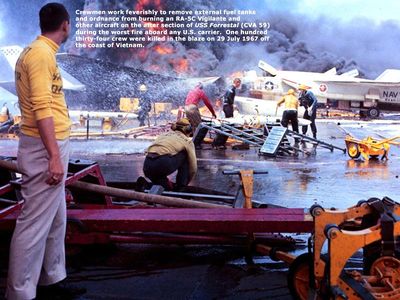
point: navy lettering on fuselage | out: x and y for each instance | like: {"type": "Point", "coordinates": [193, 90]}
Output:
{"type": "Point", "coordinates": [390, 96]}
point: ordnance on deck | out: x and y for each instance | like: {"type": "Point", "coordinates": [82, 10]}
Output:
{"type": "Point", "coordinates": [369, 147]}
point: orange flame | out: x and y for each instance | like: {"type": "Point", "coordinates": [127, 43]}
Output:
{"type": "Point", "coordinates": [142, 4]}
{"type": "Point", "coordinates": [180, 65]}
{"type": "Point", "coordinates": [154, 68]}
{"type": "Point", "coordinates": [237, 74]}
{"type": "Point", "coordinates": [150, 4]}
{"type": "Point", "coordinates": [163, 49]}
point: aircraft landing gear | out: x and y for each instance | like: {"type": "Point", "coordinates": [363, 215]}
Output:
{"type": "Point", "coordinates": [373, 112]}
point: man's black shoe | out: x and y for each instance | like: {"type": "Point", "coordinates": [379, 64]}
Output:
{"type": "Point", "coordinates": [142, 184]}
{"type": "Point", "coordinates": [59, 290]}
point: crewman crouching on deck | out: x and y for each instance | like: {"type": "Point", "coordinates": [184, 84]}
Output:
{"type": "Point", "coordinates": [172, 151]}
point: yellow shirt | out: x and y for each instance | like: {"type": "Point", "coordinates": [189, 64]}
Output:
{"type": "Point", "coordinates": [39, 88]}
{"type": "Point", "coordinates": [172, 143]}
{"type": "Point", "coordinates": [290, 101]}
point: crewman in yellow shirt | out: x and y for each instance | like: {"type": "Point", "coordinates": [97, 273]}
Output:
{"type": "Point", "coordinates": [37, 251]}
{"type": "Point", "coordinates": [290, 112]}
{"type": "Point", "coordinates": [172, 151]}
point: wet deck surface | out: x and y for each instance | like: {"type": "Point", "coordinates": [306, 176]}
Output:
{"type": "Point", "coordinates": [331, 179]}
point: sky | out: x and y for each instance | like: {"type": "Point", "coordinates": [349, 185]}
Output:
{"type": "Point", "coordinates": [349, 9]}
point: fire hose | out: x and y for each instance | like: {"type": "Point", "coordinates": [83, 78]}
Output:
{"type": "Point", "coordinates": [127, 194]}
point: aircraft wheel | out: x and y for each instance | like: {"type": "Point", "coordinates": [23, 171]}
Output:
{"type": "Point", "coordinates": [299, 274]}
{"type": "Point", "coordinates": [352, 150]}
{"type": "Point", "coordinates": [373, 112]}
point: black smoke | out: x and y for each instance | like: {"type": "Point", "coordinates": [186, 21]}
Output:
{"type": "Point", "coordinates": [297, 42]}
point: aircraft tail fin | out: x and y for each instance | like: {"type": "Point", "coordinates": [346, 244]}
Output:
{"type": "Point", "coordinates": [11, 53]}
{"type": "Point", "coordinates": [351, 73]}
{"type": "Point", "coordinates": [389, 75]}
{"type": "Point", "coordinates": [267, 68]}
{"type": "Point", "coordinates": [331, 71]}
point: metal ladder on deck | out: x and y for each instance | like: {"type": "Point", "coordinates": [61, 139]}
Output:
{"type": "Point", "coordinates": [273, 136]}
{"type": "Point", "coordinates": [251, 136]}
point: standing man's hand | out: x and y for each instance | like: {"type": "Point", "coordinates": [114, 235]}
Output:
{"type": "Point", "coordinates": [214, 116]}
{"type": "Point", "coordinates": [56, 171]}
{"type": "Point", "coordinates": [47, 134]}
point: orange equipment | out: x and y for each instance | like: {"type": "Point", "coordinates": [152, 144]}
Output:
{"type": "Point", "coordinates": [373, 226]}
{"type": "Point", "coordinates": [369, 147]}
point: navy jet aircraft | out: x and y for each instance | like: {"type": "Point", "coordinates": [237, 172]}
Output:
{"type": "Point", "coordinates": [351, 93]}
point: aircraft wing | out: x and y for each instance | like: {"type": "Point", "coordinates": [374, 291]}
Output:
{"type": "Point", "coordinates": [70, 82]}
{"type": "Point", "coordinates": [361, 83]}
{"type": "Point", "coordinates": [291, 83]}
{"type": "Point", "coordinates": [295, 84]}
{"type": "Point", "coordinates": [353, 83]}
{"type": "Point", "coordinates": [351, 73]}
{"type": "Point", "coordinates": [205, 80]}
{"type": "Point", "coordinates": [331, 71]}
{"type": "Point", "coordinates": [389, 77]}
{"type": "Point", "coordinates": [267, 68]}
{"type": "Point", "coordinates": [8, 58]}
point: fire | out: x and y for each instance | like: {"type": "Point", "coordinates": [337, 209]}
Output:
{"type": "Point", "coordinates": [163, 56]}
{"type": "Point", "coordinates": [164, 49]}
{"type": "Point", "coordinates": [148, 4]}
{"type": "Point", "coordinates": [180, 65]}
{"type": "Point", "coordinates": [237, 74]}
{"type": "Point", "coordinates": [154, 68]}
{"type": "Point", "coordinates": [142, 54]}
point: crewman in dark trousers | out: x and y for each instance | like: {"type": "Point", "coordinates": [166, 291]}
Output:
{"type": "Point", "coordinates": [172, 151]}
{"type": "Point", "coordinates": [309, 101]}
